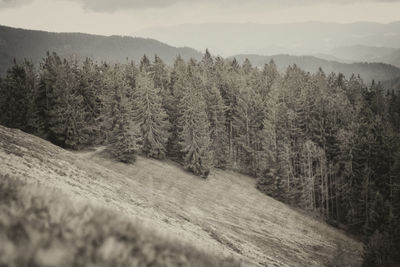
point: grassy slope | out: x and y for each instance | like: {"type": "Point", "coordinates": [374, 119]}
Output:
{"type": "Point", "coordinates": [42, 227]}
{"type": "Point", "coordinates": [222, 215]}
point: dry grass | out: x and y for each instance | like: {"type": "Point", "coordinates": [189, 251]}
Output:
{"type": "Point", "coordinates": [223, 215]}
{"type": "Point", "coordinates": [40, 226]}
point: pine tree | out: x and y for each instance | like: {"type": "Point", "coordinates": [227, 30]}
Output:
{"type": "Point", "coordinates": [151, 117]}
{"type": "Point", "coordinates": [80, 108]}
{"type": "Point", "coordinates": [207, 64]}
{"type": "Point", "coordinates": [114, 95]}
{"type": "Point", "coordinates": [124, 133]}
{"type": "Point", "coordinates": [125, 143]}
{"type": "Point", "coordinates": [229, 81]}
{"type": "Point", "coordinates": [145, 64]}
{"type": "Point", "coordinates": [87, 107]}
{"type": "Point", "coordinates": [131, 73]}
{"type": "Point", "coordinates": [218, 135]}
{"type": "Point", "coordinates": [16, 94]}
{"type": "Point", "coordinates": [159, 74]}
{"type": "Point", "coordinates": [270, 75]}
{"type": "Point", "coordinates": [269, 148]}
{"type": "Point", "coordinates": [247, 67]}
{"type": "Point", "coordinates": [51, 99]}
{"type": "Point", "coordinates": [57, 101]}
{"type": "Point", "coordinates": [195, 135]}
{"type": "Point", "coordinates": [242, 125]}
{"type": "Point", "coordinates": [171, 102]}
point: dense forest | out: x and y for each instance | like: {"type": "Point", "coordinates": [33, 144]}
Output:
{"type": "Point", "coordinates": [32, 44]}
{"type": "Point", "coordinates": [323, 142]}
{"type": "Point", "coordinates": [367, 70]}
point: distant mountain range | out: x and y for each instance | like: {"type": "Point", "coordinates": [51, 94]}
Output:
{"type": "Point", "coordinates": [367, 71]}
{"type": "Point", "coordinates": [305, 38]}
{"type": "Point", "coordinates": [361, 53]}
{"type": "Point", "coordinates": [30, 44]}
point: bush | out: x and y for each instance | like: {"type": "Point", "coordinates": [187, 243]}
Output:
{"type": "Point", "coordinates": [124, 148]}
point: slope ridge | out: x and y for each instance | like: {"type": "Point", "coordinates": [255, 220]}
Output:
{"type": "Point", "coordinates": [33, 45]}
{"type": "Point", "coordinates": [223, 215]}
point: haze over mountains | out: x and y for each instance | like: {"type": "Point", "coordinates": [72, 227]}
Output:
{"type": "Point", "coordinates": [361, 41]}
{"type": "Point", "coordinates": [31, 44]}
{"type": "Point", "coordinates": [368, 71]}
{"type": "Point", "coordinates": [363, 53]}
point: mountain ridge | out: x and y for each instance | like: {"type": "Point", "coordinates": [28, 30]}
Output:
{"type": "Point", "coordinates": [229, 39]}
{"type": "Point", "coordinates": [33, 45]}
{"type": "Point", "coordinates": [363, 53]}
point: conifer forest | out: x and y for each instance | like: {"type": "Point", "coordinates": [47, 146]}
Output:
{"type": "Point", "coordinates": [321, 142]}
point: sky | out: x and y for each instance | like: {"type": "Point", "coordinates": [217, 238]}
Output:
{"type": "Point", "coordinates": [125, 17]}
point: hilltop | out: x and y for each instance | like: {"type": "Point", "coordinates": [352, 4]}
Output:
{"type": "Point", "coordinates": [223, 215]}
{"type": "Point", "coordinates": [33, 45]}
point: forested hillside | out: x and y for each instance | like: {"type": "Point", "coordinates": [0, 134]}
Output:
{"type": "Point", "coordinates": [368, 71]}
{"type": "Point", "coordinates": [33, 45]}
{"type": "Point", "coordinates": [325, 142]}
{"type": "Point", "coordinates": [63, 208]}
{"type": "Point", "coordinates": [393, 58]}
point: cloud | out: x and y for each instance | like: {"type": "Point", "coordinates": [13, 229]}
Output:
{"type": "Point", "coordinates": [109, 6]}
{"type": "Point", "coordinates": [13, 3]}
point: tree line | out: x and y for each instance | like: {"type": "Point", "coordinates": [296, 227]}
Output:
{"type": "Point", "coordinates": [326, 143]}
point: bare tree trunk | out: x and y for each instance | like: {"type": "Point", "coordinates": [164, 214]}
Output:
{"type": "Point", "coordinates": [230, 142]}
{"type": "Point", "coordinates": [290, 167]}
{"type": "Point", "coordinates": [322, 189]}
{"type": "Point", "coordinates": [337, 197]}
{"type": "Point", "coordinates": [326, 192]}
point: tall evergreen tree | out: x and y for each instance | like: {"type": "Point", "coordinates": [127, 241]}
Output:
{"type": "Point", "coordinates": [216, 108]}
{"type": "Point", "coordinates": [131, 73]}
{"type": "Point", "coordinates": [145, 64]}
{"type": "Point", "coordinates": [124, 133]}
{"type": "Point", "coordinates": [59, 104]}
{"type": "Point", "coordinates": [151, 117]}
{"type": "Point", "coordinates": [16, 94]}
{"type": "Point", "coordinates": [171, 102]}
{"type": "Point", "coordinates": [125, 143]}
{"type": "Point", "coordinates": [195, 135]}
{"type": "Point", "coordinates": [159, 74]}
{"type": "Point", "coordinates": [87, 95]}
{"type": "Point", "coordinates": [207, 63]}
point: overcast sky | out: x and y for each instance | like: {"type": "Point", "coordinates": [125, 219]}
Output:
{"type": "Point", "coordinates": [124, 17]}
